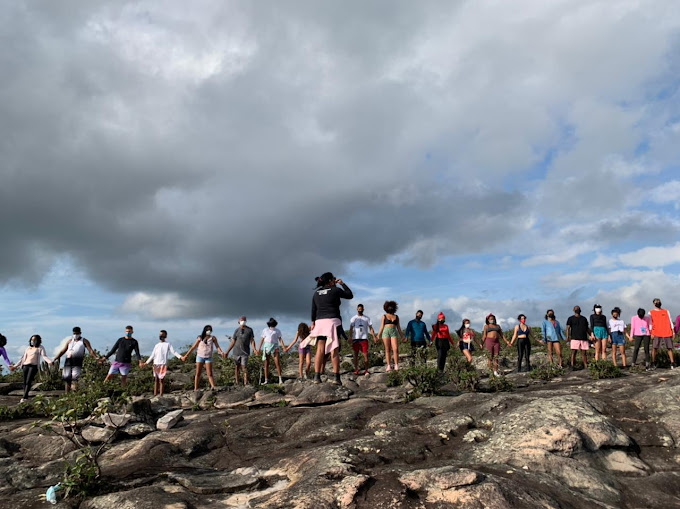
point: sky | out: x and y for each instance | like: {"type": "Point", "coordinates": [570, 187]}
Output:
{"type": "Point", "coordinates": [168, 165]}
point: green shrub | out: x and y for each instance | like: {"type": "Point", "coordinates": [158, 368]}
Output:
{"type": "Point", "coordinates": [459, 372]}
{"type": "Point", "coordinates": [603, 369]}
{"type": "Point", "coordinates": [425, 380]}
{"type": "Point", "coordinates": [347, 366]}
{"type": "Point", "coordinates": [546, 372]}
{"type": "Point", "coordinates": [227, 372]}
{"type": "Point", "coordinates": [500, 384]}
{"type": "Point", "coordinates": [395, 378]}
{"type": "Point", "coordinates": [662, 359]}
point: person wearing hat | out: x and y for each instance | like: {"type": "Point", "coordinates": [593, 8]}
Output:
{"type": "Point", "coordinates": [74, 350]}
{"type": "Point", "coordinates": [442, 340]}
{"type": "Point", "coordinates": [662, 331]}
{"type": "Point", "coordinates": [269, 346]}
{"type": "Point", "coordinates": [241, 341]}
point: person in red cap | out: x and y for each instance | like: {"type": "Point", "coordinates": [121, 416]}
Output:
{"type": "Point", "coordinates": [442, 340]}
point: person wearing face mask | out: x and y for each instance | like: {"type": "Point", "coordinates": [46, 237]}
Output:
{"type": "Point", "coordinates": [522, 334]}
{"type": "Point", "coordinates": [241, 341]}
{"type": "Point", "coordinates": [74, 350]}
{"type": "Point", "coordinates": [416, 331]}
{"type": "Point", "coordinates": [491, 338]}
{"type": "Point", "coordinates": [466, 336]}
{"type": "Point", "coordinates": [578, 332]}
{"type": "Point", "coordinates": [270, 343]}
{"type": "Point", "coordinates": [359, 327]}
{"type": "Point", "coordinates": [30, 362]}
{"type": "Point", "coordinates": [617, 328]}
{"type": "Point", "coordinates": [204, 347]}
{"type": "Point", "coordinates": [600, 332]}
{"type": "Point", "coordinates": [159, 358]}
{"type": "Point", "coordinates": [442, 341]}
{"type": "Point", "coordinates": [640, 332]}
{"type": "Point", "coordinates": [662, 331]}
{"type": "Point", "coordinates": [123, 349]}
{"type": "Point", "coordinates": [552, 335]}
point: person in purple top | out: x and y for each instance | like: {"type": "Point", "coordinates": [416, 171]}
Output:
{"type": "Point", "coordinates": [676, 329]}
{"type": "Point", "coordinates": [3, 352]}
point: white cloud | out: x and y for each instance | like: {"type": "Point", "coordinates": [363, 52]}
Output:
{"type": "Point", "coordinates": [157, 306]}
{"type": "Point", "coordinates": [653, 256]}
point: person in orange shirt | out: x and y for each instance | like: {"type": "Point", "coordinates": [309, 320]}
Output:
{"type": "Point", "coordinates": [662, 331]}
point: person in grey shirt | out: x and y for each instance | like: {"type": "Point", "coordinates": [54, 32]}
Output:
{"type": "Point", "coordinates": [241, 341]}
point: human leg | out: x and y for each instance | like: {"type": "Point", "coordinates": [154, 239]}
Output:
{"type": "Point", "coordinates": [208, 370]}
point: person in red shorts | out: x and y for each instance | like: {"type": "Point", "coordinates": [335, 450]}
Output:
{"type": "Point", "coordinates": [359, 326]}
{"type": "Point", "coordinates": [491, 339]}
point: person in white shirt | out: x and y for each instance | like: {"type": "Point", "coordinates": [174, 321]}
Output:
{"type": "Point", "coordinates": [617, 329]}
{"type": "Point", "coordinates": [359, 326]}
{"type": "Point", "coordinates": [269, 346]}
{"type": "Point", "coordinates": [74, 350]}
{"type": "Point", "coordinates": [159, 358]}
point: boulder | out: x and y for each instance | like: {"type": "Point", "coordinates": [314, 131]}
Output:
{"type": "Point", "coordinates": [169, 420]}
{"type": "Point", "coordinates": [191, 440]}
{"type": "Point", "coordinates": [116, 420]}
{"type": "Point", "coordinates": [96, 434]}
{"type": "Point", "coordinates": [234, 398]}
{"type": "Point", "coordinates": [208, 483]}
{"type": "Point", "coordinates": [138, 429]}
{"type": "Point", "coordinates": [321, 394]}
{"type": "Point", "coordinates": [147, 497]}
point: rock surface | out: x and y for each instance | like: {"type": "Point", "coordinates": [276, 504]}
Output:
{"type": "Point", "coordinates": [569, 443]}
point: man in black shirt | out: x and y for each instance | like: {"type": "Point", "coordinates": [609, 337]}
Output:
{"type": "Point", "coordinates": [578, 332]}
{"type": "Point", "coordinates": [123, 350]}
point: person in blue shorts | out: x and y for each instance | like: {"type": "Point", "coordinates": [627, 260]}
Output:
{"type": "Point", "coordinates": [617, 328]}
{"type": "Point", "coordinates": [466, 338]}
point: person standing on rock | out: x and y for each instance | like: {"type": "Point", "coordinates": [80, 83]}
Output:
{"type": "Point", "coordinates": [269, 346]}
{"type": "Point", "coordinates": [442, 341]}
{"type": "Point", "coordinates": [204, 346]}
{"type": "Point", "coordinates": [416, 331]}
{"type": "Point", "coordinates": [522, 334]}
{"type": "Point", "coordinates": [159, 358]}
{"type": "Point", "coordinates": [617, 328]}
{"type": "Point", "coordinates": [74, 349]}
{"type": "Point", "coordinates": [640, 332]}
{"type": "Point", "coordinates": [599, 332]}
{"type": "Point", "coordinates": [491, 339]}
{"type": "Point", "coordinates": [325, 321]}
{"type": "Point", "coordinates": [390, 332]}
{"type": "Point", "coordinates": [123, 349]}
{"type": "Point", "coordinates": [552, 335]}
{"type": "Point", "coordinates": [304, 353]}
{"type": "Point", "coordinates": [466, 338]}
{"type": "Point", "coordinates": [241, 341]}
{"type": "Point", "coordinates": [30, 362]}
{"type": "Point", "coordinates": [578, 332]}
{"type": "Point", "coordinates": [359, 326]}
{"type": "Point", "coordinates": [3, 351]}
{"type": "Point", "coordinates": [662, 331]}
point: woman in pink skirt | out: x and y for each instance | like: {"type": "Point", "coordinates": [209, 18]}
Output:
{"type": "Point", "coordinates": [325, 323]}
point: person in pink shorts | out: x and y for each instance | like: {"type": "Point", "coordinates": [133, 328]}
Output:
{"type": "Point", "coordinates": [578, 332]}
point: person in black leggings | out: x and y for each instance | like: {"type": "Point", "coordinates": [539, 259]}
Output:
{"type": "Point", "coordinates": [522, 335]}
{"type": "Point", "coordinates": [30, 361]}
{"type": "Point", "coordinates": [442, 340]}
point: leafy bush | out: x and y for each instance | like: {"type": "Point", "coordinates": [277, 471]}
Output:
{"type": "Point", "coordinates": [425, 380]}
{"type": "Point", "coordinates": [500, 384]}
{"type": "Point", "coordinates": [662, 359]}
{"type": "Point", "coordinates": [463, 375]}
{"type": "Point", "coordinates": [348, 366]}
{"type": "Point", "coordinates": [603, 369]}
{"type": "Point", "coordinates": [395, 378]}
{"type": "Point", "coordinates": [546, 372]}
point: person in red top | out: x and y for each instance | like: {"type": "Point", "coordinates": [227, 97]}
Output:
{"type": "Point", "coordinates": [442, 340]}
{"type": "Point", "coordinates": [662, 331]}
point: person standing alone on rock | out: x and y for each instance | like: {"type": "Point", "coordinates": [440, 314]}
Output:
{"type": "Point", "coordinates": [639, 330]}
{"type": "Point", "coordinates": [552, 335]}
{"type": "Point", "coordinates": [390, 332]}
{"type": "Point", "coordinates": [30, 362]}
{"type": "Point", "coordinates": [599, 332]}
{"type": "Point", "coordinates": [578, 332]}
{"type": "Point", "coordinates": [159, 358]}
{"type": "Point", "coordinates": [269, 346]}
{"type": "Point", "coordinates": [123, 350]}
{"type": "Point", "coordinates": [442, 341]}
{"type": "Point", "coordinates": [74, 350]}
{"type": "Point", "coordinates": [325, 322]}
{"type": "Point", "coordinates": [241, 341]}
{"type": "Point", "coordinates": [204, 347]}
{"type": "Point", "coordinates": [522, 334]}
{"type": "Point", "coordinates": [617, 328]}
{"type": "Point", "coordinates": [416, 331]}
{"type": "Point", "coordinates": [662, 331]}
{"type": "Point", "coordinates": [359, 326]}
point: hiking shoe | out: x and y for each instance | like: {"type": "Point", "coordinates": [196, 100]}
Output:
{"type": "Point", "coordinates": [23, 400]}
{"type": "Point", "coordinates": [317, 378]}
{"type": "Point", "coordinates": [673, 365]}
{"type": "Point", "coordinates": [280, 381]}
{"type": "Point", "coordinates": [266, 381]}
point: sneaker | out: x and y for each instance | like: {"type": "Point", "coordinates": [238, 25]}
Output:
{"type": "Point", "coordinates": [280, 381]}
{"type": "Point", "coordinates": [266, 381]}
{"type": "Point", "coordinates": [23, 400]}
{"type": "Point", "coordinates": [356, 372]}
{"type": "Point", "coordinates": [317, 378]}
{"type": "Point", "coordinates": [367, 374]}
{"type": "Point", "coordinates": [495, 373]}
{"type": "Point", "coordinates": [673, 365]}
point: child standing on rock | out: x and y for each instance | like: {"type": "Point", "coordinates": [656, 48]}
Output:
{"type": "Point", "coordinates": [159, 358]}
{"type": "Point", "coordinates": [269, 346]}
{"type": "Point", "coordinates": [617, 328]}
